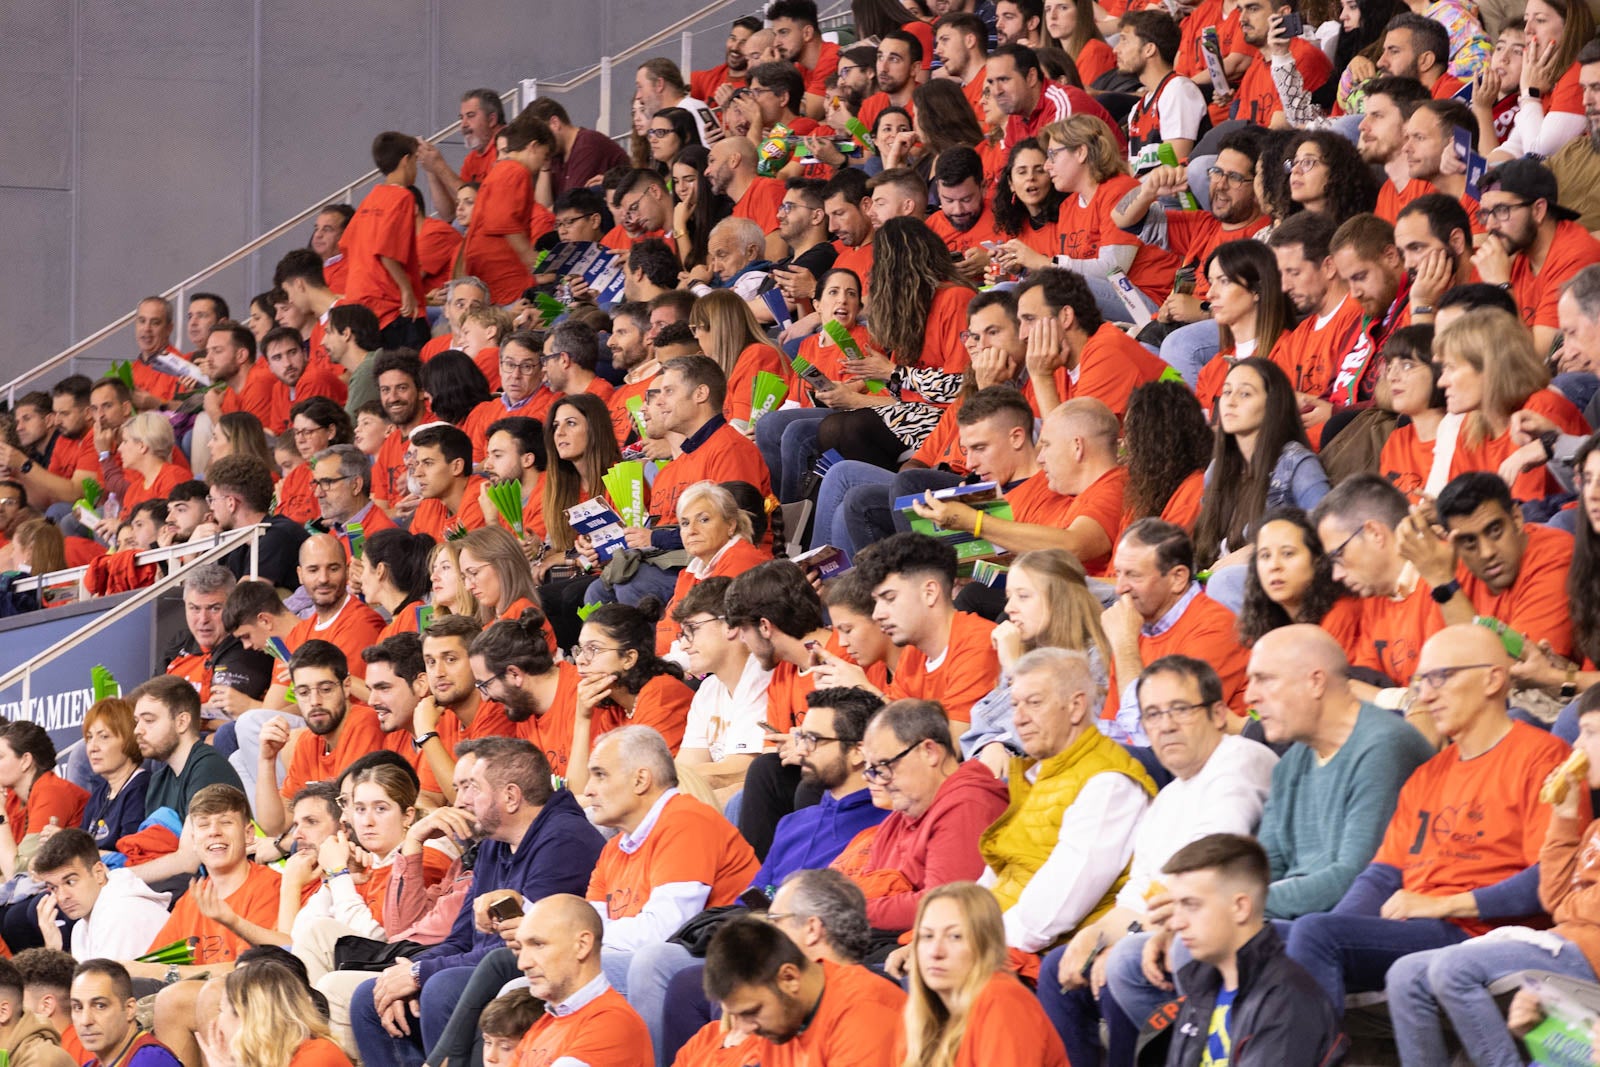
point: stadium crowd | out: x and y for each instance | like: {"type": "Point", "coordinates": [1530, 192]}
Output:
{"type": "Point", "coordinates": [1037, 534]}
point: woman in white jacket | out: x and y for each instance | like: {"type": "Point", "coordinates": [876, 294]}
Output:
{"type": "Point", "coordinates": [354, 874]}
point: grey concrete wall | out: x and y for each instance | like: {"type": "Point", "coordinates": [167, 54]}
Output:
{"type": "Point", "coordinates": [142, 140]}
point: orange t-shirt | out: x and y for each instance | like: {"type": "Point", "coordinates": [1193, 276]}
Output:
{"type": "Point", "coordinates": [622, 422]}
{"type": "Point", "coordinates": [319, 1052]}
{"type": "Point", "coordinates": [401, 743]}
{"type": "Point", "coordinates": [296, 500]}
{"type": "Point", "coordinates": [606, 1032]}
{"type": "Point", "coordinates": [963, 240]}
{"type": "Point", "coordinates": [1392, 200]}
{"type": "Point", "coordinates": [1103, 504]}
{"type": "Point", "coordinates": [139, 491]}
{"type": "Point", "coordinates": [737, 405]}
{"type": "Point", "coordinates": [432, 517]}
{"type": "Point", "coordinates": [1194, 235]}
{"type": "Point", "coordinates": [1085, 228]}
{"type": "Point", "coordinates": [319, 379]}
{"type": "Point", "coordinates": [856, 1022]}
{"type": "Point", "coordinates": [551, 732]}
{"type": "Point", "coordinates": [739, 557]}
{"type": "Point", "coordinates": [1256, 98]}
{"type": "Point", "coordinates": [255, 901]}
{"type": "Point", "coordinates": [51, 797]}
{"type": "Point", "coordinates": [480, 161]}
{"type": "Point", "coordinates": [663, 705]}
{"type": "Point", "coordinates": [690, 842]}
{"type": "Point", "coordinates": [158, 383]}
{"type": "Point", "coordinates": [1536, 604]}
{"type": "Point", "coordinates": [760, 203]}
{"type": "Point", "coordinates": [967, 671]}
{"type": "Point", "coordinates": [437, 247]}
{"type": "Point", "coordinates": [354, 628]}
{"type": "Point", "coordinates": [1005, 1024]}
{"type": "Point", "coordinates": [1571, 250]}
{"type": "Point", "coordinates": [490, 720]}
{"type": "Point", "coordinates": [1406, 460]}
{"type": "Point", "coordinates": [1205, 630]}
{"type": "Point", "coordinates": [1462, 824]}
{"type": "Point", "coordinates": [726, 456]}
{"type": "Point", "coordinates": [1111, 366]}
{"type": "Point", "coordinates": [313, 760]}
{"type": "Point", "coordinates": [383, 227]}
{"type": "Point", "coordinates": [709, 1048]}
{"type": "Point", "coordinates": [1393, 630]}
{"type": "Point", "coordinates": [817, 77]}
{"type": "Point", "coordinates": [942, 348]}
{"type": "Point", "coordinates": [505, 206]}
{"type": "Point", "coordinates": [1184, 507]}
{"type": "Point", "coordinates": [1309, 354]}
{"type": "Point", "coordinates": [1096, 58]}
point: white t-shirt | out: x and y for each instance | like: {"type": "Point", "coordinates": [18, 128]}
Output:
{"type": "Point", "coordinates": [729, 724]}
{"type": "Point", "coordinates": [1181, 108]}
{"type": "Point", "coordinates": [704, 121]}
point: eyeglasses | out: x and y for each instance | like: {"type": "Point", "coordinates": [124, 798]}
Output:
{"type": "Point", "coordinates": [656, 135]}
{"type": "Point", "coordinates": [630, 209]}
{"type": "Point", "coordinates": [508, 366]}
{"type": "Point", "coordinates": [1180, 713]}
{"type": "Point", "coordinates": [11, 502]}
{"type": "Point", "coordinates": [300, 434]}
{"type": "Point", "coordinates": [585, 653]}
{"type": "Point", "coordinates": [325, 484]}
{"type": "Point", "coordinates": [806, 741]}
{"type": "Point", "coordinates": [1229, 176]}
{"type": "Point", "coordinates": [1439, 677]}
{"type": "Point", "coordinates": [1056, 151]}
{"type": "Point", "coordinates": [757, 90]}
{"type": "Point", "coordinates": [1301, 165]}
{"type": "Point", "coordinates": [570, 220]}
{"type": "Point", "coordinates": [1500, 212]}
{"type": "Point", "coordinates": [321, 689]}
{"type": "Point", "coordinates": [1337, 555]}
{"type": "Point", "coordinates": [786, 207]}
{"type": "Point", "coordinates": [691, 629]}
{"type": "Point", "coordinates": [483, 686]}
{"type": "Point", "coordinates": [546, 359]}
{"type": "Point", "coordinates": [882, 772]}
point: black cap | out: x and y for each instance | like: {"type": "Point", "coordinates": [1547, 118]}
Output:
{"type": "Point", "coordinates": [1530, 180]}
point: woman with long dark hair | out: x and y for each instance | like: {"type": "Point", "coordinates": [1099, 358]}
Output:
{"type": "Point", "coordinates": [1260, 460]}
{"type": "Point", "coordinates": [1248, 306]}
{"type": "Point", "coordinates": [1290, 580]}
{"type": "Point", "coordinates": [1414, 392]}
{"type": "Point", "coordinates": [316, 423]}
{"type": "Point", "coordinates": [395, 577]}
{"type": "Point", "coordinates": [455, 385]}
{"type": "Point", "coordinates": [582, 446]}
{"type": "Point", "coordinates": [1027, 206]}
{"type": "Point", "coordinates": [1361, 31]}
{"type": "Point", "coordinates": [1168, 445]}
{"type": "Point", "coordinates": [1327, 175]}
{"type": "Point", "coordinates": [669, 132]}
{"type": "Point", "coordinates": [698, 206]}
{"type": "Point", "coordinates": [729, 333]}
{"type": "Point", "coordinates": [622, 682]}
{"type": "Point", "coordinates": [942, 117]}
{"type": "Point", "coordinates": [1070, 26]}
{"type": "Point", "coordinates": [1557, 115]}
{"type": "Point", "coordinates": [920, 330]}
{"type": "Point", "coordinates": [894, 137]}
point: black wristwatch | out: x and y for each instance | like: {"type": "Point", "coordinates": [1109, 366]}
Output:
{"type": "Point", "coordinates": [27, 465]}
{"type": "Point", "coordinates": [424, 739]}
{"type": "Point", "coordinates": [1547, 441]}
{"type": "Point", "coordinates": [1442, 594]}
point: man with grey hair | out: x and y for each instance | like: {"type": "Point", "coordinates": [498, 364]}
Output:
{"type": "Point", "coordinates": [673, 856]}
{"type": "Point", "coordinates": [736, 254]}
{"type": "Point", "coordinates": [571, 352]}
{"type": "Point", "coordinates": [1073, 777]}
{"type": "Point", "coordinates": [341, 480]}
{"type": "Point", "coordinates": [210, 657]}
{"type": "Point", "coordinates": [461, 296]}
{"type": "Point", "coordinates": [1540, 441]}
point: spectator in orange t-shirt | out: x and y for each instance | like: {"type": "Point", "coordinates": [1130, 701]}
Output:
{"type": "Point", "coordinates": [571, 353]}
{"type": "Point", "coordinates": [449, 489]}
{"type": "Point", "coordinates": [1161, 610]}
{"type": "Point", "coordinates": [1435, 887]}
{"type": "Point", "coordinates": [803, 1011]}
{"type": "Point", "coordinates": [146, 453]}
{"type": "Point", "coordinates": [674, 857]}
{"type": "Point", "coordinates": [731, 172]}
{"type": "Point", "coordinates": [297, 378]}
{"type": "Point", "coordinates": [497, 247]}
{"type": "Point", "coordinates": [1073, 351]}
{"type": "Point", "coordinates": [947, 655]}
{"type": "Point", "coordinates": [380, 246]}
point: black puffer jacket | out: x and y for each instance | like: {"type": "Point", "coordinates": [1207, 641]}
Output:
{"type": "Point", "coordinates": [1281, 1017]}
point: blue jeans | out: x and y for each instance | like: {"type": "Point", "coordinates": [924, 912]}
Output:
{"type": "Point", "coordinates": [1076, 1015]}
{"type": "Point", "coordinates": [459, 1041]}
{"type": "Point", "coordinates": [1457, 980]}
{"type": "Point", "coordinates": [687, 1010]}
{"type": "Point", "coordinates": [1112, 309]}
{"type": "Point", "coordinates": [649, 975]}
{"type": "Point", "coordinates": [648, 580]}
{"type": "Point", "coordinates": [439, 996]}
{"type": "Point", "coordinates": [1354, 952]}
{"type": "Point", "coordinates": [842, 477]}
{"type": "Point", "coordinates": [788, 442]}
{"type": "Point", "coordinates": [1189, 348]}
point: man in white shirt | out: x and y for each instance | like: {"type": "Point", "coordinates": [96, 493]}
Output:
{"type": "Point", "coordinates": [725, 728]}
{"type": "Point", "coordinates": [118, 916]}
{"type": "Point", "coordinates": [1220, 783]}
{"type": "Point", "coordinates": [1172, 107]}
{"type": "Point", "coordinates": [660, 84]}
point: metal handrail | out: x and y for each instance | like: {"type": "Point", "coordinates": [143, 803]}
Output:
{"type": "Point", "coordinates": [522, 95]}
{"type": "Point", "coordinates": [149, 555]}
{"type": "Point", "coordinates": [222, 545]}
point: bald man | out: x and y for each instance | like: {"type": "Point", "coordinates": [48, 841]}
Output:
{"type": "Point", "coordinates": [585, 1020]}
{"type": "Point", "coordinates": [732, 173]}
{"type": "Point", "coordinates": [1332, 793]}
{"type": "Point", "coordinates": [1460, 855]}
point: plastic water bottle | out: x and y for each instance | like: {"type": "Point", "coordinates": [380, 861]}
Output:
{"type": "Point", "coordinates": [1169, 158]}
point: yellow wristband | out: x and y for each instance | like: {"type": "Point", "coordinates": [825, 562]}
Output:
{"type": "Point", "coordinates": [977, 526]}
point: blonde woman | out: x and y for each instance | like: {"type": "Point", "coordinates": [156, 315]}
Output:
{"type": "Point", "coordinates": [449, 594]}
{"type": "Point", "coordinates": [146, 454]}
{"type": "Point", "coordinates": [1489, 371]}
{"type": "Point", "coordinates": [497, 574]}
{"type": "Point", "coordinates": [720, 540]}
{"type": "Point", "coordinates": [729, 333]}
{"type": "Point", "coordinates": [965, 1008]}
{"type": "Point", "coordinates": [267, 1019]}
{"type": "Point", "coordinates": [1086, 165]}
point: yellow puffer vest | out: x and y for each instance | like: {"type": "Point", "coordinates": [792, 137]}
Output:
{"type": "Point", "coordinates": [1019, 842]}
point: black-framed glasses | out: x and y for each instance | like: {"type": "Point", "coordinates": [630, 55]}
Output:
{"type": "Point", "coordinates": [882, 772]}
{"type": "Point", "coordinates": [1337, 555]}
{"type": "Point", "coordinates": [328, 483]}
{"type": "Point", "coordinates": [483, 686]}
{"type": "Point", "coordinates": [1180, 712]}
{"type": "Point", "coordinates": [806, 741]}
{"type": "Point", "coordinates": [1440, 677]}
{"type": "Point", "coordinates": [1229, 176]}
{"type": "Point", "coordinates": [1500, 212]}
{"type": "Point", "coordinates": [693, 628]}
{"type": "Point", "coordinates": [656, 135]}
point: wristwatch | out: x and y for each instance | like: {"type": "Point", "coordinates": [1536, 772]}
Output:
{"type": "Point", "coordinates": [424, 739]}
{"type": "Point", "coordinates": [27, 465]}
{"type": "Point", "coordinates": [1569, 688]}
{"type": "Point", "coordinates": [1535, 92]}
{"type": "Point", "coordinates": [1547, 441]}
{"type": "Point", "coordinates": [1442, 594]}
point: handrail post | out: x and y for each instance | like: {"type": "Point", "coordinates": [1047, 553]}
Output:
{"type": "Point", "coordinates": [688, 53]}
{"type": "Point", "coordinates": [255, 552]}
{"type": "Point", "coordinates": [530, 92]}
{"type": "Point", "coordinates": [604, 124]}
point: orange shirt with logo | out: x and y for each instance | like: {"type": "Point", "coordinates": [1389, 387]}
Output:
{"type": "Point", "coordinates": [690, 842]}
{"type": "Point", "coordinates": [255, 901]}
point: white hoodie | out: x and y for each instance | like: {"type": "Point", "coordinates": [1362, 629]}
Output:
{"type": "Point", "coordinates": [127, 917]}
